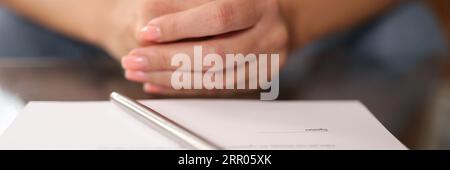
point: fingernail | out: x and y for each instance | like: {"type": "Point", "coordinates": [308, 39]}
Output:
{"type": "Point", "coordinates": [135, 62]}
{"type": "Point", "coordinates": [151, 33]}
{"type": "Point", "coordinates": [138, 76]}
{"type": "Point", "coordinates": [151, 88]}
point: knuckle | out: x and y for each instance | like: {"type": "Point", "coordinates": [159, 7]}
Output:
{"type": "Point", "coordinates": [152, 4]}
{"type": "Point", "coordinates": [223, 16]}
{"type": "Point", "coordinates": [171, 28]}
{"type": "Point", "coordinates": [277, 39]}
{"type": "Point", "coordinates": [215, 48]}
{"type": "Point", "coordinates": [283, 37]}
{"type": "Point", "coordinates": [156, 57]}
{"type": "Point", "coordinates": [165, 60]}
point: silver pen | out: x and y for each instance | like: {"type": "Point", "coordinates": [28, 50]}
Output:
{"type": "Point", "coordinates": [162, 123]}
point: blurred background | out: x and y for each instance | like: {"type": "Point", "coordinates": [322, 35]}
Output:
{"type": "Point", "coordinates": [398, 65]}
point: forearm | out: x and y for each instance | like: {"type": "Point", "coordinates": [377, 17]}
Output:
{"type": "Point", "coordinates": [310, 20]}
{"type": "Point", "coordinates": [81, 19]}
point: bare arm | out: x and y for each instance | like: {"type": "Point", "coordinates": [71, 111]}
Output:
{"type": "Point", "coordinates": [98, 22]}
{"type": "Point", "coordinates": [310, 20]}
{"type": "Point", "coordinates": [81, 19]}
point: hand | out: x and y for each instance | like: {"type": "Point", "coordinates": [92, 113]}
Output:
{"type": "Point", "coordinates": [220, 26]}
{"type": "Point", "coordinates": [129, 19]}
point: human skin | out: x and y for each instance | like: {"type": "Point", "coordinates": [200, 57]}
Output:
{"type": "Point", "coordinates": [264, 27]}
{"type": "Point", "coordinates": [149, 32]}
{"type": "Point", "coordinates": [245, 23]}
{"type": "Point", "coordinates": [113, 25]}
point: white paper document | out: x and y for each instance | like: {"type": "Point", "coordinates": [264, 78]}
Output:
{"type": "Point", "coordinates": [231, 124]}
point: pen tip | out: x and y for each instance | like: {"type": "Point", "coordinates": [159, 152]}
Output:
{"type": "Point", "coordinates": [113, 94]}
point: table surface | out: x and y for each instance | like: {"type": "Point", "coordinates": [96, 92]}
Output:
{"type": "Point", "coordinates": [52, 79]}
{"type": "Point", "coordinates": [64, 79]}
{"type": "Point", "coordinates": [59, 79]}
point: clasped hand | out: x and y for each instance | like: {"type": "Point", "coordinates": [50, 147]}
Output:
{"type": "Point", "coordinates": [159, 29]}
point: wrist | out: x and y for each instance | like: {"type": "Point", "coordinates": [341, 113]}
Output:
{"type": "Point", "coordinates": [116, 32]}
{"type": "Point", "coordinates": [104, 24]}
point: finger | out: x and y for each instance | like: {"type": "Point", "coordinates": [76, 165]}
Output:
{"type": "Point", "coordinates": [213, 18]}
{"type": "Point", "coordinates": [164, 78]}
{"type": "Point", "coordinates": [159, 57]}
{"type": "Point", "coordinates": [208, 79]}
{"type": "Point", "coordinates": [150, 9]}
{"type": "Point", "coordinates": [167, 92]}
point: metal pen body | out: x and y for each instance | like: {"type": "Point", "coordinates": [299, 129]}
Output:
{"type": "Point", "coordinates": [166, 126]}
